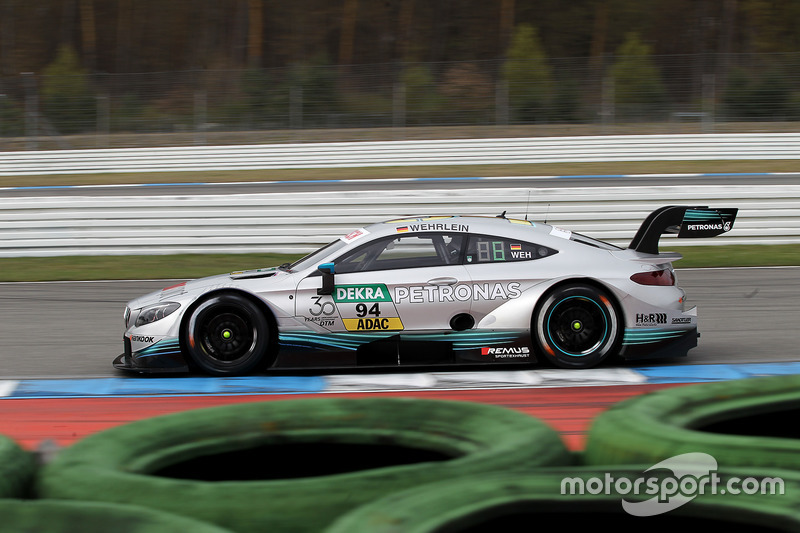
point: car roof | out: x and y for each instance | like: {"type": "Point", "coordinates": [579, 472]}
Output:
{"type": "Point", "coordinates": [511, 227]}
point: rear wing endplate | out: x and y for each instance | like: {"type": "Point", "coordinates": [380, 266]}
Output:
{"type": "Point", "coordinates": [686, 221]}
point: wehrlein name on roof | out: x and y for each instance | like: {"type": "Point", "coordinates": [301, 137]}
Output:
{"type": "Point", "coordinates": [438, 226]}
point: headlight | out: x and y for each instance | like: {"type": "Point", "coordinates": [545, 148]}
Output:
{"type": "Point", "coordinates": [151, 314]}
{"type": "Point", "coordinates": [127, 316]}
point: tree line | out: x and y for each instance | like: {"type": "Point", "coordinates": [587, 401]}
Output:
{"type": "Point", "coordinates": [123, 36]}
{"type": "Point", "coordinates": [142, 65]}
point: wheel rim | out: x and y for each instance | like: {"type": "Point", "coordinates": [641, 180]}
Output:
{"type": "Point", "coordinates": [577, 326]}
{"type": "Point", "coordinates": [228, 335]}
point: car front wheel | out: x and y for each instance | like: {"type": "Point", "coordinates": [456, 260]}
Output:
{"type": "Point", "coordinates": [227, 335]}
{"type": "Point", "coordinates": [577, 326]}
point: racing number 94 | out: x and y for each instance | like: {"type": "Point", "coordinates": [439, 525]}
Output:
{"type": "Point", "coordinates": [362, 311]}
{"type": "Point", "coordinates": [328, 308]}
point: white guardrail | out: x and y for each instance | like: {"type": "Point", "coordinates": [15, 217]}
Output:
{"type": "Point", "coordinates": [753, 146]}
{"type": "Point", "coordinates": [299, 222]}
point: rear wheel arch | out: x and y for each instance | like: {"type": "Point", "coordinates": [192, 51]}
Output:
{"type": "Point", "coordinates": [597, 284]}
{"type": "Point", "coordinates": [614, 343]}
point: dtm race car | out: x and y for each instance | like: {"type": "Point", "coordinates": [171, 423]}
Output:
{"type": "Point", "coordinates": [433, 290]}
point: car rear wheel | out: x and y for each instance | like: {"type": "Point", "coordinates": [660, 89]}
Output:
{"type": "Point", "coordinates": [227, 335]}
{"type": "Point", "coordinates": [577, 326]}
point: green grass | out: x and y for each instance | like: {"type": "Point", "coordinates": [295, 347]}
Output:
{"type": "Point", "coordinates": [80, 268]}
{"type": "Point", "coordinates": [436, 171]}
{"type": "Point", "coordinates": [188, 266]}
{"type": "Point", "coordinates": [737, 255]}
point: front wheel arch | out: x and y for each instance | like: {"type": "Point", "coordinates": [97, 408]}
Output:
{"type": "Point", "coordinates": [272, 347]}
{"type": "Point", "coordinates": [608, 349]}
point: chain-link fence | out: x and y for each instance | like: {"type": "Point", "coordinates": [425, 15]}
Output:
{"type": "Point", "coordinates": [204, 107]}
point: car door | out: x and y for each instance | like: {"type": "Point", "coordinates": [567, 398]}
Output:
{"type": "Point", "coordinates": [402, 283]}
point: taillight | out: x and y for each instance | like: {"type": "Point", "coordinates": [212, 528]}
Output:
{"type": "Point", "coordinates": [656, 277]}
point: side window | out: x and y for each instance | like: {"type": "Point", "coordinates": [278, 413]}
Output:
{"type": "Point", "coordinates": [488, 249]}
{"type": "Point", "coordinates": [404, 251]}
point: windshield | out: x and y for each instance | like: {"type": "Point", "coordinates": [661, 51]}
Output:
{"type": "Point", "coordinates": [309, 260]}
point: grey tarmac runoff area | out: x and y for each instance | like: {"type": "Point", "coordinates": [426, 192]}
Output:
{"type": "Point", "coordinates": [74, 329]}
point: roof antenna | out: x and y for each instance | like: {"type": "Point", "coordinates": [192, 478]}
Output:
{"type": "Point", "coordinates": [547, 213]}
{"type": "Point", "coordinates": [501, 215]}
{"type": "Point", "coordinates": [528, 205]}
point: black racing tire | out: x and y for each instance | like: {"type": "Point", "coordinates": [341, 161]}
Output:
{"type": "Point", "coordinates": [59, 516]}
{"type": "Point", "coordinates": [17, 469]}
{"type": "Point", "coordinates": [577, 326]}
{"type": "Point", "coordinates": [227, 335]}
{"type": "Point", "coordinates": [247, 466]}
{"type": "Point", "coordinates": [568, 497]}
{"type": "Point", "coordinates": [745, 422]}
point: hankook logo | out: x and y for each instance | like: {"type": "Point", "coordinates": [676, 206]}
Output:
{"type": "Point", "coordinates": [140, 338]}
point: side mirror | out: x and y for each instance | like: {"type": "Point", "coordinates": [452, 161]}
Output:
{"type": "Point", "coordinates": [326, 269]}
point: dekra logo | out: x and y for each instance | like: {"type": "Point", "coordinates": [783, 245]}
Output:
{"type": "Point", "coordinates": [376, 292]}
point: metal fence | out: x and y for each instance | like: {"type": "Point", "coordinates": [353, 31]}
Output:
{"type": "Point", "coordinates": [301, 221]}
{"type": "Point", "coordinates": [706, 90]}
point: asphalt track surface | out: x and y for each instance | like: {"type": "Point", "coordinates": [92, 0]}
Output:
{"type": "Point", "coordinates": [74, 329]}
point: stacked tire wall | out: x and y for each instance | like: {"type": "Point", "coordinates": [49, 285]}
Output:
{"type": "Point", "coordinates": [62, 516]}
{"type": "Point", "coordinates": [748, 422]}
{"type": "Point", "coordinates": [517, 501]}
{"type": "Point", "coordinates": [336, 465]}
{"type": "Point", "coordinates": [246, 466]}
{"type": "Point", "coordinates": [17, 469]}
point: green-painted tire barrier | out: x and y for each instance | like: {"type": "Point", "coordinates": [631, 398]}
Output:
{"type": "Point", "coordinates": [60, 516]}
{"type": "Point", "coordinates": [400, 443]}
{"type": "Point", "coordinates": [515, 501]}
{"type": "Point", "coordinates": [17, 469]}
{"type": "Point", "coordinates": [748, 422]}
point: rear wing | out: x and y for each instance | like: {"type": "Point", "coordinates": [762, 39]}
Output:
{"type": "Point", "coordinates": [687, 222]}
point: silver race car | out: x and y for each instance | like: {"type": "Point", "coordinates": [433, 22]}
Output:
{"type": "Point", "coordinates": [438, 290]}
